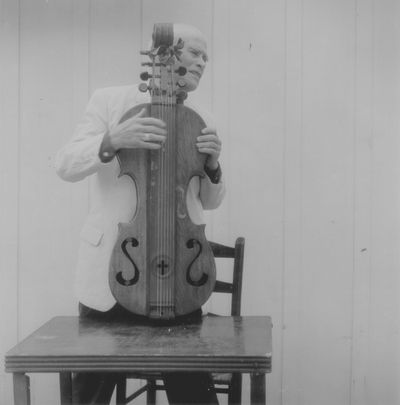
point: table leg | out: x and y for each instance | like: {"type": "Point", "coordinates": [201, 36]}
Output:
{"type": "Point", "coordinates": [21, 389]}
{"type": "Point", "coordinates": [257, 388]}
{"type": "Point", "coordinates": [66, 388]}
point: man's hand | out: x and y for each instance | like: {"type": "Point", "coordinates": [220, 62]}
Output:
{"type": "Point", "coordinates": [210, 143]}
{"type": "Point", "coordinates": [138, 131]}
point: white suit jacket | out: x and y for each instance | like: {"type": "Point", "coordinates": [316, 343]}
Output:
{"type": "Point", "coordinates": [113, 199]}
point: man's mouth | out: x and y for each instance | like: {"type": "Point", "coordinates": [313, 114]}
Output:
{"type": "Point", "coordinates": [193, 72]}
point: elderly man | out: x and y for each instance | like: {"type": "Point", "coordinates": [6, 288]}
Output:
{"type": "Point", "coordinates": [91, 152]}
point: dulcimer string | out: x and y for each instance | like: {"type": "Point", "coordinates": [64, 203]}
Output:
{"type": "Point", "coordinates": [166, 203]}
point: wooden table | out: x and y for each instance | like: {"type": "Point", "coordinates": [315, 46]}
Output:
{"type": "Point", "coordinates": [214, 344]}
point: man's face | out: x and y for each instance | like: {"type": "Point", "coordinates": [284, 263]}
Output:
{"type": "Point", "coordinates": [194, 58]}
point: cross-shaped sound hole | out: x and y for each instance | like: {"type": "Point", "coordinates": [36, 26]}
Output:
{"type": "Point", "coordinates": [163, 266]}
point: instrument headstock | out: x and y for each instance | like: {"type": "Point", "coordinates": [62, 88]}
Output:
{"type": "Point", "coordinates": [164, 87]}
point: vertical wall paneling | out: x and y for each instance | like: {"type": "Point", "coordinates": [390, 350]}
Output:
{"type": "Point", "coordinates": [256, 146]}
{"type": "Point", "coordinates": [327, 201]}
{"type": "Point", "coordinates": [9, 171]}
{"type": "Point", "coordinates": [115, 41]}
{"type": "Point", "coordinates": [256, 159]}
{"type": "Point", "coordinates": [362, 200]}
{"type": "Point", "coordinates": [48, 238]}
{"type": "Point", "coordinates": [293, 204]}
{"type": "Point", "coordinates": [383, 371]}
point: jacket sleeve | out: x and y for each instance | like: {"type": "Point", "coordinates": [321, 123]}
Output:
{"type": "Point", "coordinates": [212, 195]}
{"type": "Point", "coordinates": [80, 157]}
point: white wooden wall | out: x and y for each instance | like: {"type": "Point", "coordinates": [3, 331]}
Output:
{"type": "Point", "coordinates": [306, 93]}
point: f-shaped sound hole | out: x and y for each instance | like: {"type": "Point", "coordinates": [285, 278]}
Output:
{"type": "Point", "coordinates": [119, 277]}
{"type": "Point", "coordinates": [191, 244]}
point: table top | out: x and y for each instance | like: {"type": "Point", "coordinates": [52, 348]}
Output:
{"type": "Point", "coordinates": [212, 343]}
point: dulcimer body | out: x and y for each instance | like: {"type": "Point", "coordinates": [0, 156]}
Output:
{"type": "Point", "coordinates": [162, 266]}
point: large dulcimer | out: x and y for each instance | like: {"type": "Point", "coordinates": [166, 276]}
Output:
{"type": "Point", "coordinates": [162, 265]}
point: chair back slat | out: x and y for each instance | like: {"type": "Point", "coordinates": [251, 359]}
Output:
{"type": "Point", "coordinates": [223, 287]}
{"type": "Point", "coordinates": [222, 251]}
{"type": "Point", "coordinates": [235, 288]}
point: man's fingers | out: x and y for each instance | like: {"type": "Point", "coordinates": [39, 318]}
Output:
{"type": "Point", "coordinates": [143, 120]}
{"type": "Point", "coordinates": [208, 139]}
{"type": "Point", "coordinates": [142, 113]}
{"type": "Point", "coordinates": [150, 129]}
{"type": "Point", "coordinates": [209, 151]}
{"type": "Point", "coordinates": [147, 121]}
{"type": "Point", "coordinates": [147, 137]}
{"type": "Point", "coordinates": [150, 145]}
{"type": "Point", "coordinates": [212, 146]}
{"type": "Point", "coordinates": [209, 130]}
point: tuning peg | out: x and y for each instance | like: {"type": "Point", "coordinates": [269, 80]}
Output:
{"type": "Point", "coordinates": [182, 95]}
{"type": "Point", "coordinates": [181, 71]}
{"type": "Point", "coordinates": [145, 76]}
{"type": "Point", "coordinates": [143, 87]}
{"type": "Point", "coordinates": [181, 82]}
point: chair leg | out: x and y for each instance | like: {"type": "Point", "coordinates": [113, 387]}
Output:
{"type": "Point", "coordinates": [235, 390]}
{"type": "Point", "coordinates": [151, 392]}
{"type": "Point", "coordinates": [121, 390]}
{"type": "Point", "coordinates": [65, 388]}
{"type": "Point", "coordinates": [22, 389]}
{"type": "Point", "coordinates": [257, 389]}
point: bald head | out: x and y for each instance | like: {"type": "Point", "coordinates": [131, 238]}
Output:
{"type": "Point", "coordinates": [187, 32]}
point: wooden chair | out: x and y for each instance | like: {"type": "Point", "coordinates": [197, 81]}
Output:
{"type": "Point", "coordinates": [230, 384]}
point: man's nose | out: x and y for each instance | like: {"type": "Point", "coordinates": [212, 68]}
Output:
{"type": "Point", "coordinates": [201, 63]}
